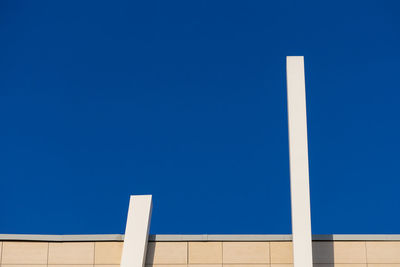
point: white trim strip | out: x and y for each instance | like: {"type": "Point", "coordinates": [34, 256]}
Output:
{"type": "Point", "coordinates": [186, 238]}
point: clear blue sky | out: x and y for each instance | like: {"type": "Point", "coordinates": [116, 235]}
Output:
{"type": "Point", "coordinates": [186, 100]}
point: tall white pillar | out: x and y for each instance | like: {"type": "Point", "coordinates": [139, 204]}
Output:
{"type": "Point", "coordinates": [298, 150]}
{"type": "Point", "coordinates": [136, 232]}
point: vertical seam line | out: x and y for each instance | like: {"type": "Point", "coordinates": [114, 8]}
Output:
{"type": "Point", "coordinates": [48, 253]}
{"type": "Point", "coordinates": [222, 253]}
{"type": "Point", "coordinates": [94, 253]}
{"type": "Point", "coordinates": [1, 256]}
{"type": "Point", "coordinates": [269, 252]}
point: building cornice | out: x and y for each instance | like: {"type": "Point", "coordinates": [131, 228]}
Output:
{"type": "Point", "coordinates": [185, 238]}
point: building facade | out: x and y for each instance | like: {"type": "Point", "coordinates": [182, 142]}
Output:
{"type": "Point", "coordinates": [198, 251]}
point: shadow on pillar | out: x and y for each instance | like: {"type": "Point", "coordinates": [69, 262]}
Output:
{"type": "Point", "coordinates": [150, 253]}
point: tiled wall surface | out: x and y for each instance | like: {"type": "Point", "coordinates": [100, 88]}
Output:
{"type": "Point", "coordinates": [199, 254]}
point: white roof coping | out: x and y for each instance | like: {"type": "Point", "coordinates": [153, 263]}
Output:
{"type": "Point", "coordinates": [120, 237]}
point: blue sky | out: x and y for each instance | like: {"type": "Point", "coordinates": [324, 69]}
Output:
{"type": "Point", "coordinates": [186, 100]}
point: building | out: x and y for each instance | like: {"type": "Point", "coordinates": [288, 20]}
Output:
{"type": "Point", "coordinates": [198, 251]}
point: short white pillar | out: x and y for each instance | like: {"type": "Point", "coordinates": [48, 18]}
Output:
{"type": "Point", "coordinates": [298, 150]}
{"type": "Point", "coordinates": [136, 231]}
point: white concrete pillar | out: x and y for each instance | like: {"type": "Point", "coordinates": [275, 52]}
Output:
{"type": "Point", "coordinates": [137, 231]}
{"type": "Point", "coordinates": [298, 150]}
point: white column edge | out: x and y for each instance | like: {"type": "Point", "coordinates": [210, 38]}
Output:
{"type": "Point", "coordinates": [137, 231]}
{"type": "Point", "coordinates": [298, 151]}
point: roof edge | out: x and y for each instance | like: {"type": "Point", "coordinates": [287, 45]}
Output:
{"type": "Point", "coordinates": [183, 238]}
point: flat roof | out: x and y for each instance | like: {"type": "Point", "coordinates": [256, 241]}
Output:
{"type": "Point", "coordinates": [120, 237]}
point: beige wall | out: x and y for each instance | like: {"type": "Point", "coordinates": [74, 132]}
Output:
{"type": "Point", "coordinates": [199, 254]}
